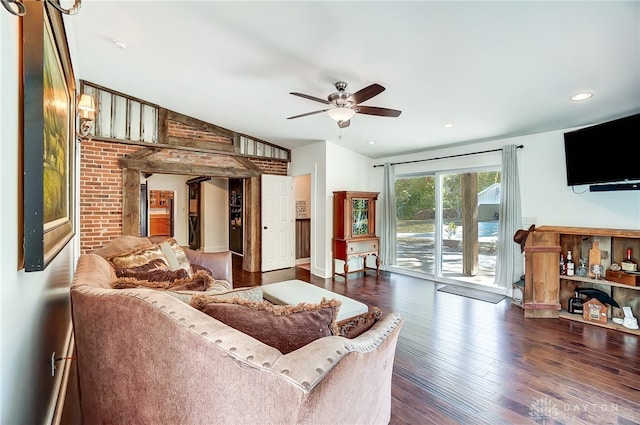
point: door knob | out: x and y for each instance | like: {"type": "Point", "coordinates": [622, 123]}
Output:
{"type": "Point", "coordinates": [265, 227]}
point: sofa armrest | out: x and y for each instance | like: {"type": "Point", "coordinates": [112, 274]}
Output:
{"type": "Point", "coordinates": [307, 365]}
{"type": "Point", "coordinates": [219, 263]}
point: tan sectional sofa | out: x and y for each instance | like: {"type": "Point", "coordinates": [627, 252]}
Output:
{"type": "Point", "coordinates": [145, 357]}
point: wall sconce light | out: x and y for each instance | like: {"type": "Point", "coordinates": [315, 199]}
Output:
{"type": "Point", "coordinates": [87, 116]}
{"type": "Point", "coordinates": [15, 7]}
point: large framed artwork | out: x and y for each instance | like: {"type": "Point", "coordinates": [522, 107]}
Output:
{"type": "Point", "coordinates": [49, 136]}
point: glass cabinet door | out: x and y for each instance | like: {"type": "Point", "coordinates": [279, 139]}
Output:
{"type": "Point", "coordinates": [360, 222]}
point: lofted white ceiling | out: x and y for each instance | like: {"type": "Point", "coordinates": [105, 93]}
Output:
{"type": "Point", "coordinates": [494, 68]}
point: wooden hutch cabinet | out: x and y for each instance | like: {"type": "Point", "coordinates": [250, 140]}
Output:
{"type": "Point", "coordinates": [354, 229]}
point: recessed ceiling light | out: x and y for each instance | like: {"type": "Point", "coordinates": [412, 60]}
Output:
{"type": "Point", "coordinates": [448, 125]}
{"type": "Point", "coordinates": [581, 96]}
{"type": "Point", "coordinates": [121, 44]}
{"type": "Point", "coordinates": [371, 142]}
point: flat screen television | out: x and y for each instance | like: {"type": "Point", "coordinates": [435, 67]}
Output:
{"type": "Point", "coordinates": [604, 153]}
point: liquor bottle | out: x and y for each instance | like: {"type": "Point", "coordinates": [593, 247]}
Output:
{"type": "Point", "coordinates": [563, 267]}
{"type": "Point", "coordinates": [570, 265]}
{"type": "Point", "coordinates": [629, 264]}
{"type": "Point", "coordinates": [575, 304]}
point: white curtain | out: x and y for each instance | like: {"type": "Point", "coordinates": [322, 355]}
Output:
{"type": "Point", "coordinates": [509, 261]}
{"type": "Point", "coordinates": [388, 217]}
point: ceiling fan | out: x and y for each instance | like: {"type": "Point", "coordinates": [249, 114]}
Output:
{"type": "Point", "coordinates": [344, 105]}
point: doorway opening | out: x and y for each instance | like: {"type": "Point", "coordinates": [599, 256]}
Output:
{"type": "Point", "coordinates": [161, 213]}
{"type": "Point", "coordinates": [302, 191]}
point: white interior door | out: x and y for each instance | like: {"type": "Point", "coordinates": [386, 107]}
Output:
{"type": "Point", "coordinates": [278, 222]}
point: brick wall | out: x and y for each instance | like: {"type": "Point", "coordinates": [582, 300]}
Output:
{"type": "Point", "coordinates": [176, 129]}
{"type": "Point", "coordinates": [101, 190]}
{"type": "Point", "coordinates": [268, 166]}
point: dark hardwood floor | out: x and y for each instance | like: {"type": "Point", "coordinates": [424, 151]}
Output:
{"type": "Point", "coordinates": [463, 361]}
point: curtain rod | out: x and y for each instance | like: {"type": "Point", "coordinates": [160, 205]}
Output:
{"type": "Point", "coordinates": [445, 157]}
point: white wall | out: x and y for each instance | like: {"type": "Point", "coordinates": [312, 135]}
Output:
{"type": "Point", "coordinates": [546, 199]}
{"type": "Point", "coordinates": [27, 337]}
{"type": "Point", "coordinates": [332, 168]}
{"type": "Point", "coordinates": [177, 184]}
{"type": "Point", "coordinates": [215, 215]}
{"type": "Point", "coordinates": [311, 159]}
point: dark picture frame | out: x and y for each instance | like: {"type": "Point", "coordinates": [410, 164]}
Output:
{"type": "Point", "coordinates": [49, 136]}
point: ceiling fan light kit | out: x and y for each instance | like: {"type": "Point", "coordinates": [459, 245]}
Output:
{"type": "Point", "coordinates": [344, 105]}
{"type": "Point", "coordinates": [341, 113]}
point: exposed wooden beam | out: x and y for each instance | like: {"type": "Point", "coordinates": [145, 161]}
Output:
{"type": "Point", "coordinates": [142, 153]}
{"type": "Point", "coordinates": [131, 202]}
{"type": "Point", "coordinates": [200, 144]}
{"type": "Point", "coordinates": [248, 164]}
{"type": "Point", "coordinates": [185, 169]}
{"type": "Point", "coordinates": [184, 148]}
{"type": "Point", "coordinates": [163, 126]}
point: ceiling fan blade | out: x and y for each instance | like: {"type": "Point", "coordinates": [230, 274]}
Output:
{"type": "Point", "coordinates": [344, 124]}
{"type": "Point", "coordinates": [366, 93]}
{"type": "Point", "coordinates": [308, 113]}
{"type": "Point", "coordinates": [306, 96]}
{"type": "Point", "coordinates": [372, 110]}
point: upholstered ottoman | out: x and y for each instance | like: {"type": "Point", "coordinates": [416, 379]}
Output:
{"type": "Point", "coordinates": [293, 292]}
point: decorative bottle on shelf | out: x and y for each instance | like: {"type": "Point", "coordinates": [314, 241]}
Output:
{"type": "Point", "coordinates": [575, 304]}
{"type": "Point", "coordinates": [563, 267]}
{"type": "Point", "coordinates": [581, 270]}
{"type": "Point", "coordinates": [570, 264]}
{"type": "Point", "coordinates": [629, 264]}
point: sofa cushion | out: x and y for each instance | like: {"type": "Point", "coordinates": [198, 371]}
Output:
{"type": "Point", "coordinates": [283, 327]}
{"type": "Point", "coordinates": [356, 325]}
{"type": "Point", "coordinates": [200, 281]}
{"type": "Point", "coordinates": [175, 255]}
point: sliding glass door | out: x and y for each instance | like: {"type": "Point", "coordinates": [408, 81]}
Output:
{"type": "Point", "coordinates": [448, 224]}
{"type": "Point", "coordinates": [416, 205]}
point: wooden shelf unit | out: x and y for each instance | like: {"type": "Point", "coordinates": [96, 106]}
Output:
{"type": "Point", "coordinates": [547, 292]}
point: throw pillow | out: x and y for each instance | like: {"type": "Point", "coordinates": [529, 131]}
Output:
{"type": "Point", "coordinates": [200, 281]}
{"type": "Point", "coordinates": [155, 271]}
{"type": "Point", "coordinates": [283, 327]}
{"type": "Point", "coordinates": [138, 257]}
{"type": "Point", "coordinates": [176, 256]}
{"type": "Point", "coordinates": [248, 294]}
{"type": "Point", "coordinates": [357, 325]}
{"type": "Point", "coordinates": [196, 267]}
{"type": "Point", "coordinates": [222, 288]}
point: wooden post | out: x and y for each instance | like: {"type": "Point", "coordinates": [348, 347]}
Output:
{"type": "Point", "coordinates": [252, 239]}
{"type": "Point", "coordinates": [131, 202]}
{"type": "Point", "coordinates": [470, 262]}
